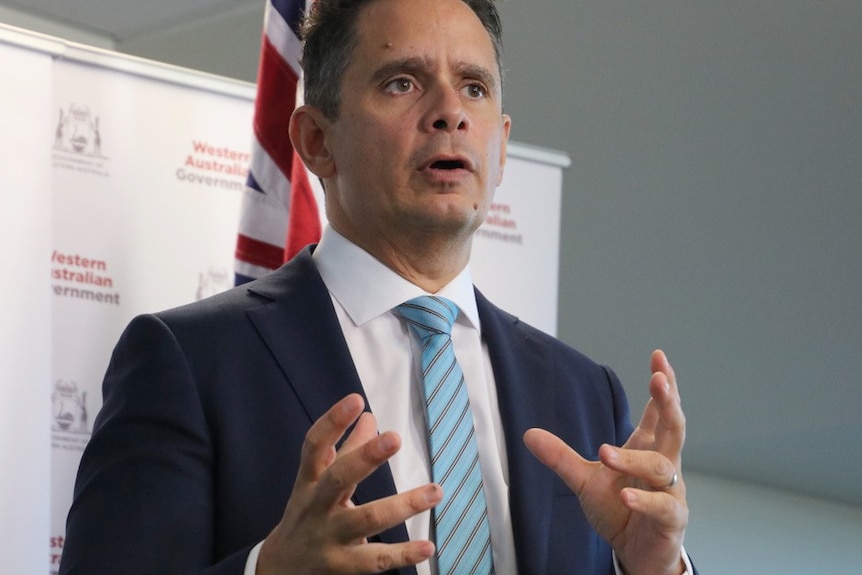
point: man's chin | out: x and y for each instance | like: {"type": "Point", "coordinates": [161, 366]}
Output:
{"type": "Point", "coordinates": [451, 224]}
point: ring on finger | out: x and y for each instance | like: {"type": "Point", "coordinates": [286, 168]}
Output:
{"type": "Point", "coordinates": [672, 481]}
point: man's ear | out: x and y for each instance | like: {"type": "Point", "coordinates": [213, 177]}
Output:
{"type": "Point", "coordinates": [308, 134]}
{"type": "Point", "coordinates": [507, 127]}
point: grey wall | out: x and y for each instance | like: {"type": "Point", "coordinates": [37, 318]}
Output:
{"type": "Point", "coordinates": [225, 43]}
{"type": "Point", "coordinates": [713, 209]}
{"type": "Point", "coordinates": [21, 19]}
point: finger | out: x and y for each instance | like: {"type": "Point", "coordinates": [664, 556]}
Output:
{"type": "Point", "coordinates": [380, 557]}
{"type": "Point", "coordinates": [318, 449]}
{"type": "Point", "coordinates": [377, 516]}
{"type": "Point", "coordinates": [662, 376]}
{"type": "Point", "coordinates": [643, 436]}
{"type": "Point", "coordinates": [670, 424]}
{"type": "Point", "coordinates": [660, 364]}
{"type": "Point", "coordinates": [337, 483]}
{"type": "Point", "coordinates": [668, 512]}
{"type": "Point", "coordinates": [559, 457]}
{"type": "Point", "coordinates": [650, 467]}
{"type": "Point", "coordinates": [364, 430]}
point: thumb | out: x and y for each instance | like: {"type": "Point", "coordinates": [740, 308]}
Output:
{"type": "Point", "coordinates": [559, 457]}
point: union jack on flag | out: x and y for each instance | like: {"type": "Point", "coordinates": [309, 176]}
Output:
{"type": "Point", "coordinates": [279, 213]}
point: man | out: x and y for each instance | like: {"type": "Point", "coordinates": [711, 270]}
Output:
{"type": "Point", "coordinates": [232, 437]}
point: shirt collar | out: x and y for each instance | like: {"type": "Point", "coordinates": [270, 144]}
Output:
{"type": "Point", "coordinates": [366, 288]}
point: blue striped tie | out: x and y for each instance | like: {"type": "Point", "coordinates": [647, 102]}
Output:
{"type": "Point", "coordinates": [462, 535]}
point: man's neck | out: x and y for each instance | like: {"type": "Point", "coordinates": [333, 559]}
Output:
{"type": "Point", "coordinates": [430, 261]}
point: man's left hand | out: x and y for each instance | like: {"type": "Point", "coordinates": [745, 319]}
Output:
{"type": "Point", "coordinates": [633, 496]}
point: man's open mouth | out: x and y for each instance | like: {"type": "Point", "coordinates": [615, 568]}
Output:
{"type": "Point", "coordinates": [448, 165]}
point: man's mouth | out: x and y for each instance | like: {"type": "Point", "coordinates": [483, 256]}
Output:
{"type": "Point", "coordinates": [447, 165]}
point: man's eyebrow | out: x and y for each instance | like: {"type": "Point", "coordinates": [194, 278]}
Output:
{"type": "Point", "coordinates": [479, 73]}
{"type": "Point", "coordinates": [410, 65]}
{"type": "Point", "coordinates": [416, 65]}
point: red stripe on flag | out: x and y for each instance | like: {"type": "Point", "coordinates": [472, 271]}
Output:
{"type": "Point", "coordinates": [258, 253]}
{"type": "Point", "coordinates": [290, 194]}
{"type": "Point", "coordinates": [276, 99]}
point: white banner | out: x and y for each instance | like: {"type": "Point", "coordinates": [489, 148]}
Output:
{"type": "Point", "coordinates": [516, 253]}
{"type": "Point", "coordinates": [25, 328]}
{"type": "Point", "coordinates": [147, 182]}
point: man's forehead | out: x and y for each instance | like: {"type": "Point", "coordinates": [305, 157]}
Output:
{"type": "Point", "coordinates": [401, 30]}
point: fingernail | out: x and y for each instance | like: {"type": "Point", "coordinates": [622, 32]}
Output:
{"type": "Point", "coordinates": [631, 497]}
{"type": "Point", "coordinates": [347, 404]}
{"type": "Point", "coordinates": [433, 494]}
{"type": "Point", "coordinates": [426, 549]}
{"type": "Point", "coordinates": [613, 454]}
{"type": "Point", "coordinates": [387, 442]}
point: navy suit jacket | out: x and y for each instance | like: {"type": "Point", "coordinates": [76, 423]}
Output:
{"type": "Point", "coordinates": [194, 453]}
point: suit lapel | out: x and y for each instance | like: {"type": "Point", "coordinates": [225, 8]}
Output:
{"type": "Point", "coordinates": [301, 330]}
{"type": "Point", "coordinates": [525, 400]}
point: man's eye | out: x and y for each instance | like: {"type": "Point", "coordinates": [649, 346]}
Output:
{"type": "Point", "coordinates": [399, 86]}
{"type": "Point", "coordinates": [476, 91]}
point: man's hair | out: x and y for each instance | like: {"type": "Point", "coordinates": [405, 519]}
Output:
{"type": "Point", "coordinates": [329, 38]}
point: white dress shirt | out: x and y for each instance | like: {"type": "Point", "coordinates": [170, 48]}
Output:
{"type": "Point", "coordinates": [364, 292]}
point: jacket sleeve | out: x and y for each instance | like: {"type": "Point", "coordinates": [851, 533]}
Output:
{"type": "Point", "coordinates": [144, 495]}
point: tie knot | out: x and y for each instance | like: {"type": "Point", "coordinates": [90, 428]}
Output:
{"type": "Point", "coordinates": [429, 315]}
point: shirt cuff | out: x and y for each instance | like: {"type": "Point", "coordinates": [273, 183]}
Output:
{"type": "Point", "coordinates": [689, 570]}
{"type": "Point", "coordinates": [251, 562]}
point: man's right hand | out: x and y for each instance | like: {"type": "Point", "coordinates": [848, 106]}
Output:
{"type": "Point", "coordinates": [321, 530]}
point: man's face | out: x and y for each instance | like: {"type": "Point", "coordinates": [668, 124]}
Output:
{"type": "Point", "coordinates": [419, 143]}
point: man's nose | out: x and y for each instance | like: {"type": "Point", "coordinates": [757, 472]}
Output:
{"type": "Point", "coordinates": [447, 112]}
